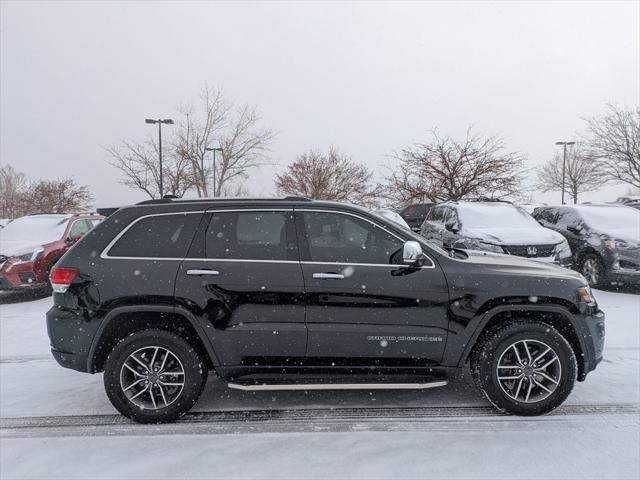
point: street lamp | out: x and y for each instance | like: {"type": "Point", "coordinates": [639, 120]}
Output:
{"type": "Point", "coordinates": [166, 121]}
{"type": "Point", "coordinates": [214, 150]}
{"type": "Point", "coordinates": [564, 162]}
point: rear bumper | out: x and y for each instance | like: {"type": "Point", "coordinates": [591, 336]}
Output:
{"type": "Point", "coordinates": [70, 360]}
{"type": "Point", "coordinates": [70, 333]}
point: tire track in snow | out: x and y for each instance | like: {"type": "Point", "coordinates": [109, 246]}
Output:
{"type": "Point", "coordinates": [471, 419]}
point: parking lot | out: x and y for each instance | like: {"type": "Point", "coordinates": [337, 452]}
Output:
{"type": "Point", "coordinates": [52, 415]}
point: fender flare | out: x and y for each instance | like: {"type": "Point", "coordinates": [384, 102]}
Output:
{"type": "Point", "coordinates": [482, 320]}
{"type": "Point", "coordinates": [200, 331]}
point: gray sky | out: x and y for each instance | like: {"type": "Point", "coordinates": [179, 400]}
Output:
{"type": "Point", "coordinates": [368, 78]}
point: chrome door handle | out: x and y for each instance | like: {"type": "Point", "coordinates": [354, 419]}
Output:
{"type": "Point", "coordinates": [328, 276]}
{"type": "Point", "coordinates": [202, 272]}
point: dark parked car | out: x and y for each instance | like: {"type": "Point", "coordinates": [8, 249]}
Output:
{"type": "Point", "coordinates": [604, 239]}
{"type": "Point", "coordinates": [31, 245]}
{"type": "Point", "coordinates": [298, 294]}
{"type": "Point", "coordinates": [494, 226]}
{"type": "Point", "coordinates": [415, 214]}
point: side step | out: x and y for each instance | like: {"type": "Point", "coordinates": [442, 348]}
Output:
{"type": "Point", "coordinates": [336, 386]}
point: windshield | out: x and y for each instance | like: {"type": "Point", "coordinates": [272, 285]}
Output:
{"type": "Point", "coordinates": [483, 215]}
{"type": "Point", "coordinates": [34, 229]}
{"type": "Point", "coordinates": [612, 218]}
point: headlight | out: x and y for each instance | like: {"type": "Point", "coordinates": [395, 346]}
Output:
{"type": "Point", "coordinates": [29, 256]}
{"type": "Point", "coordinates": [615, 244]}
{"type": "Point", "coordinates": [562, 249]}
{"type": "Point", "coordinates": [585, 294]}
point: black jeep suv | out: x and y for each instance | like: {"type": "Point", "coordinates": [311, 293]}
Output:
{"type": "Point", "coordinates": [300, 294]}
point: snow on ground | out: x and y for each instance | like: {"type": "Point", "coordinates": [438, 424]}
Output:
{"type": "Point", "coordinates": [352, 434]}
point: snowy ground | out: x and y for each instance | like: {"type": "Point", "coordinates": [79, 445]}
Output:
{"type": "Point", "coordinates": [57, 423]}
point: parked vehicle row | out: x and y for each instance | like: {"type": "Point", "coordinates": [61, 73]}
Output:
{"type": "Point", "coordinates": [296, 294]}
{"type": "Point", "coordinates": [604, 239]}
{"type": "Point", "coordinates": [31, 245]}
{"type": "Point", "coordinates": [498, 227]}
{"type": "Point", "coordinates": [601, 240]}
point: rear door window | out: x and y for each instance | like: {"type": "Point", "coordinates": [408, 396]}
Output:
{"type": "Point", "coordinates": [251, 235]}
{"type": "Point", "coordinates": [157, 236]}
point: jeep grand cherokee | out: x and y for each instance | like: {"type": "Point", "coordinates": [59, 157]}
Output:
{"type": "Point", "coordinates": [301, 294]}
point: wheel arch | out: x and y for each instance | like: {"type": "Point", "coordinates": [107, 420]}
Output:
{"type": "Point", "coordinates": [123, 321]}
{"type": "Point", "coordinates": [556, 316]}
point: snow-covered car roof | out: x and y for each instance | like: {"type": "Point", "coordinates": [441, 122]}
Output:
{"type": "Point", "coordinates": [393, 216]}
{"type": "Point", "coordinates": [34, 229]}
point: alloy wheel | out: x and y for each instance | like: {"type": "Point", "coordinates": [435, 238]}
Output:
{"type": "Point", "coordinates": [152, 377]}
{"type": "Point", "coordinates": [591, 270]}
{"type": "Point", "coordinates": [529, 371]}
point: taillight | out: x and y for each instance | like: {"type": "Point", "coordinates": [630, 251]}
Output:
{"type": "Point", "coordinates": [61, 278]}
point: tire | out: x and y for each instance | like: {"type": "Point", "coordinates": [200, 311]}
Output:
{"type": "Point", "coordinates": [513, 395]}
{"type": "Point", "coordinates": [592, 269]}
{"type": "Point", "coordinates": [170, 392]}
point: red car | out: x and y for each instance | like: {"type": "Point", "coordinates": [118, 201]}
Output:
{"type": "Point", "coordinates": [31, 245]}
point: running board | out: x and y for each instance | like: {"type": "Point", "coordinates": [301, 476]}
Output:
{"type": "Point", "coordinates": [337, 386]}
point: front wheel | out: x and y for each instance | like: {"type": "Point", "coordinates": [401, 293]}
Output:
{"type": "Point", "coordinates": [592, 269]}
{"type": "Point", "coordinates": [154, 376]}
{"type": "Point", "coordinates": [524, 368]}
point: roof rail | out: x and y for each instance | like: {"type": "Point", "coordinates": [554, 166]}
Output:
{"type": "Point", "coordinates": [297, 199]}
{"type": "Point", "coordinates": [165, 199]}
{"type": "Point", "coordinates": [484, 199]}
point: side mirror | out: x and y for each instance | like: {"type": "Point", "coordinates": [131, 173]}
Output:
{"type": "Point", "coordinates": [452, 226]}
{"type": "Point", "coordinates": [412, 254]}
{"type": "Point", "coordinates": [577, 229]}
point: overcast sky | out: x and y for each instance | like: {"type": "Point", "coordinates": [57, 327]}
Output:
{"type": "Point", "coordinates": [366, 77]}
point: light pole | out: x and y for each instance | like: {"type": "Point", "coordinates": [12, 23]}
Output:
{"type": "Point", "coordinates": [564, 163]}
{"type": "Point", "coordinates": [214, 150]}
{"type": "Point", "coordinates": [166, 121]}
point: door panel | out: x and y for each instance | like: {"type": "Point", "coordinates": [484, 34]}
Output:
{"type": "Point", "coordinates": [376, 307]}
{"type": "Point", "coordinates": [251, 303]}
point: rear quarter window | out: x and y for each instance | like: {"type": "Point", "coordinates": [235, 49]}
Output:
{"type": "Point", "coordinates": [158, 236]}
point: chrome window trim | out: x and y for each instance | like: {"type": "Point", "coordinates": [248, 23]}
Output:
{"type": "Point", "coordinates": [105, 255]}
{"type": "Point", "coordinates": [433, 264]}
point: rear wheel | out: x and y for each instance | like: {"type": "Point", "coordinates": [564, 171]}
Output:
{"type": "Point", "coordinates": [592, 269]}
{"type": "Point", "coordinates": [154, 376]}
{"type": "Point", "coordinates": [524, 368]}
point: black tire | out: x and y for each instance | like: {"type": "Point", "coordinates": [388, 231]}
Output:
{"type": "Point", "coordinates": [184, 356]}
{"type": "Point", "coordinates": [496, 345]}
{"type": "Point", "coordinates": [593, 270]}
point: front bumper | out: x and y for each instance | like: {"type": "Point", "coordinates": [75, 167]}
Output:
{"type": "Point", "coordinates": [624, 275]}
{"type": "Point", "coordinates": [22, 276]}
{"type": "Point", "coordinates": [593, 342]}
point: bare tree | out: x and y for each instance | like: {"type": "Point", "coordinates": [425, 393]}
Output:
{"type": "Point", "coordinates": [582, 173]}
{"type": "Point", "coordinates": [614, 139]}
{"type": "Point", "coordinates": [202, 129]}
{"type": "Point", "coordinates": [243, 144]}
{"type": "Point", "coordinates": [447, 169]}
{"type": "Point", "coordinates": [140, 169]}
{"type": "Point", "coordinates": [56, 196]}
{"type": "Point", "coordinates": [12, 187]}
{"type": "Point", "coordinates": [330, 176]}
